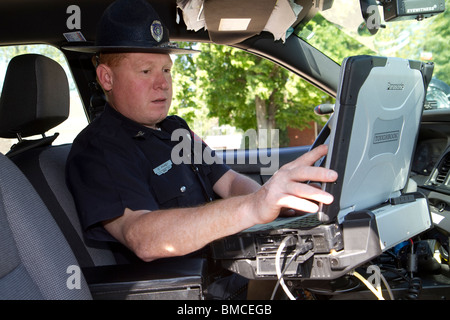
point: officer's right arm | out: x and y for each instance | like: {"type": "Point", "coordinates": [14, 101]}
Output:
{"type": "Point", "coordinates": [175, 232]}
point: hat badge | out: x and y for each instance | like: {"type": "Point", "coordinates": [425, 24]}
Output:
{"type": "Point", "coordinates": [156, 30]}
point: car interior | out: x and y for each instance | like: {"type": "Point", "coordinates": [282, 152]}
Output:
{"type": "Point", "coordinates": [45, 256]}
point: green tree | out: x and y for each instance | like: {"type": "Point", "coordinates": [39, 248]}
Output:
{"type": "Point", "coordinates": [436, 41]}
{"type": "Point", "coordinates": [246, 91]}
{"type": "Point", "coordinates": [243, 90]}
{"type": "Point", "coordinates": [419, 39]}
{"type": "Point", "coordinates": [332, 40]}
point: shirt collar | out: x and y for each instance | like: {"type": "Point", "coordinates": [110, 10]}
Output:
{"type": "Point", "coordinates": [139, 131]}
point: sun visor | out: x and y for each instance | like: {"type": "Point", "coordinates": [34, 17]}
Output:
{"type": "Point", "coordinates": [233, 21]}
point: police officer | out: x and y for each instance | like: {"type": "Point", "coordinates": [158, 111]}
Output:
{"type": "Point", "coordinates": [121, 169]}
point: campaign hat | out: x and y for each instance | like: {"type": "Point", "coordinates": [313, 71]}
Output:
{"type": "Point", "coordinates": [130, 26]}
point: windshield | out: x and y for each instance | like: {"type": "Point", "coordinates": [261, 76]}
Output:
{"type": "Point", "coordinates": [340, 32]}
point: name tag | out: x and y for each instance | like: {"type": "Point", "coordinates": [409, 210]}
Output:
{"type": "Point", "coordinates": [166, 166]}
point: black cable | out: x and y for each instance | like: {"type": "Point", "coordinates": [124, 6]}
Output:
{"type": "Point", "coordinates": [414, 289]}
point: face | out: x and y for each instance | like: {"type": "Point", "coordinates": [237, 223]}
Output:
{"type": "Point", "coordinates": [139, 86]}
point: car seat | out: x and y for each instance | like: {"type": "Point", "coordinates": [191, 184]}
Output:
{"type": "Point", "coordinates": [36, 260]}
{"type": "Point", "coordinates": [35, 99]}
{"type": "Point", "coordinates": [45, 106]}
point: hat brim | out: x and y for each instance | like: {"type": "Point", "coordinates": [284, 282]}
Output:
{"type": "Point", "coordinates": [124, 49]}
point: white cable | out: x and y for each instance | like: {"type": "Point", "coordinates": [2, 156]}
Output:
{"type": "Point", "coordinates": [278, 267]}
{"type": "Point", "coordinates": [388, 288]}
{"type": "Point", "coordinates": [368, 285]}
{"type": "Point", "coordinates": [282, 274]}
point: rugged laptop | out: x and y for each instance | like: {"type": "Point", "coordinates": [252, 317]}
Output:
{"type": "Point", "coordinates": [372, 136]}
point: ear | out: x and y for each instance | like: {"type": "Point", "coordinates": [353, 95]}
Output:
{"type": "Point", "coordinates": [105, 77]}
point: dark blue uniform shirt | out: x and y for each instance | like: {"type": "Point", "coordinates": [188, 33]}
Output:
{"type": "Point", "coordinates": [116, 163]}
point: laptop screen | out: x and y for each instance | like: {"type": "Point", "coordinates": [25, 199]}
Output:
{"type": "Point", "coordinates": [374, 130]}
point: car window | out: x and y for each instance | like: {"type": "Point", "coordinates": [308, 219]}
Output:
{"type": "Point", "coordinates": [77, 118]}
{"type": "Point", "coordinates": [236, 100]}
{"type": "Point", "coordinates": [341, 33]}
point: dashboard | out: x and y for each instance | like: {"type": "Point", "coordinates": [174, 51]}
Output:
{"type": "Point", "coordinates": [427, 154]}
{"type": "Point", "coordinates": [431, 165]}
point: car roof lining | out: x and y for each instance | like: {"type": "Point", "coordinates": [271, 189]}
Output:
{"type": "Point", "coordinates": [253, 15]}
{"type": "Point", "coordinates": [29, 27]}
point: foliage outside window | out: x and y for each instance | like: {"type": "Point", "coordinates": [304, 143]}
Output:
{"type": "Point", "coordinates": [243, 91]}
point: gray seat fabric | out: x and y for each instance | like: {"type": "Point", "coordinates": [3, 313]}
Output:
{"type": "Point", "coordinates": [52, 162]}
{"type": "Point", "coordinates": [44, 83]}
{"type": "Point", "coordinates": [36, 260]}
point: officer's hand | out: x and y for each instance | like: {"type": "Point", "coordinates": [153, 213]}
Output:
{"type": "Point", "coordinates": [286, 188]}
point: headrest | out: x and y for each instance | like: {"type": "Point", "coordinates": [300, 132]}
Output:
{"type": "Point", "coordinates": [35, 96]}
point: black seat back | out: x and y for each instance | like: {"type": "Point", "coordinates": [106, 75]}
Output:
{"type": "Point", "coordinates": [35, 99]}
